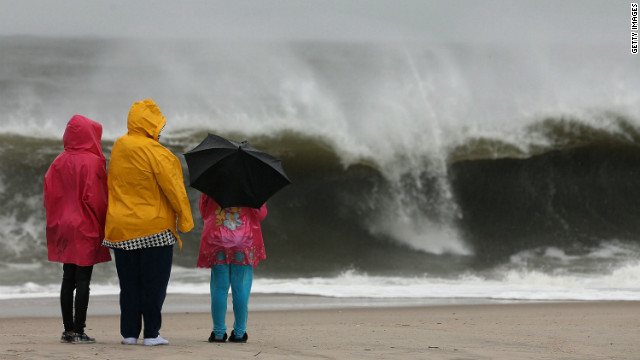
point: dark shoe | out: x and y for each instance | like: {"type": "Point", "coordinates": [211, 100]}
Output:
{"type": "Point", "coordinates": [66, 337]}
{"type": "Point", "coordinates": [213, 338]}
{"type": "Point", "coordinates": [82, 339]}
{"type": "Point", "coordinates": [233, 338]}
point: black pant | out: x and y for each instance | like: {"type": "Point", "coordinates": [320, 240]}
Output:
{"type": "Point", "coordinates": [76, 278]}
{"type": "Point", "coordinates": [144, 276]}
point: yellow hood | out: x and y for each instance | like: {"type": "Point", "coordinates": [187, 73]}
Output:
{"type": "Point", "coordinates": [145, 119]}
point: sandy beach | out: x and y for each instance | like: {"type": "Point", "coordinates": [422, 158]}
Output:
{"type": "Point", "coordinates": [543, 330]}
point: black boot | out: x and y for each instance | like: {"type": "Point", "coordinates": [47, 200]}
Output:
{"type": "Point", "coordinates": [213, 338]}
{"type": "Point", "coordinates": [233, 338]}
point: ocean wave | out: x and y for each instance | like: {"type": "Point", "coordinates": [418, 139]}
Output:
{"type": "Point", "coordinates": [579, 191]}
{"type": "Point", "coordinates": [548, 134]}
{"type": "Point", "coordinates": [446, 160]}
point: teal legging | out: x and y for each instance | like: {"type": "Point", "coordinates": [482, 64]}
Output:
{"type": "Point", "coordinates": [240, 278]}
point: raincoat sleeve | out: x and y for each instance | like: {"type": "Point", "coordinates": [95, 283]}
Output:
{"type": "Point", "coordinates": [207, 206]}
{"type": "Point", "coordinates": [94, 194]}
{"type": "Point", "coordinates": [261, 213]}
{"type": "Point", "coordinates": [168, 172]}
{"type": "Point", "coordinates": [48, 196]}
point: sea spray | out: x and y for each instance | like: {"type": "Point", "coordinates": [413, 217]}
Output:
{"type": "Point", "coordinates": [444, 165]}
{"type": "Point", "coordinates": [419, 208]}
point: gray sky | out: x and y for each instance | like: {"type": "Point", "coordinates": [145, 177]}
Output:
{"type": "Point", "coordinates": [387, 20]}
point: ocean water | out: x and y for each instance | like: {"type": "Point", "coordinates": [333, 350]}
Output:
{"type": "Point", "coordinates": [419, 170]}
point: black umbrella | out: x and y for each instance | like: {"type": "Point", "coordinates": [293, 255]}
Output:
{"type": "Point", "coordinates": [234, 174]}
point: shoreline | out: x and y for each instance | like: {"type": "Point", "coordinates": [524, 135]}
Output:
{"type": "Point", "coordinates": [542, 330]}
{"type": "Point", "coordinates": [101, 305]}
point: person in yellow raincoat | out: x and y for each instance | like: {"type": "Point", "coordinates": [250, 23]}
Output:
{"type": "Point", "coordinates": [148, 204]}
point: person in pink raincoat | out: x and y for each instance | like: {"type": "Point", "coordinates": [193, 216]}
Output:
{"type": "Point", "coordinates": [231, 245]}
{"type": "Point", "coordinates": [75, 201]}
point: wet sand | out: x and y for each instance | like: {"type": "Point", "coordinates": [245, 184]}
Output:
{"type": "Point", "coordinates": [574, 330]}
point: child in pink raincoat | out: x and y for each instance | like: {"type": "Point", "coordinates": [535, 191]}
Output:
{"type": "Point", "coordinates": [231, 246]}
{"type": "Point", "coordinates": [75, 200]}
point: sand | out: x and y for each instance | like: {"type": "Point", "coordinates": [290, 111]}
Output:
{"type": "Point", "coordinates": [543, 330]}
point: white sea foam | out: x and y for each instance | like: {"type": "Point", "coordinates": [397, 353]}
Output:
{"type": "Point", "coordinates": [13, 233]}
{"type": "Point", "coordinates": [620, 284]}
{"type": "Point", "coordinates": [418, 232]}
{"type": "Point", "coordinates": [617, 278]}
{"type": "Point", "coordinates": [33, 290]}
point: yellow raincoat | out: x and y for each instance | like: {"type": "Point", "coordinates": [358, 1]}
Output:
{"type": "Point", "coordinates": [146, 188]}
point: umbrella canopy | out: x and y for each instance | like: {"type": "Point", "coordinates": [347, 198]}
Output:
{"type": "Point", "coordinates": [234, 174]}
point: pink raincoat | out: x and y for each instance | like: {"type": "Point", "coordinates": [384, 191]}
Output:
{"type": "Point", "coordinates": [75, 197]}
{"type": "Point", "coordinates": [230, 235]}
